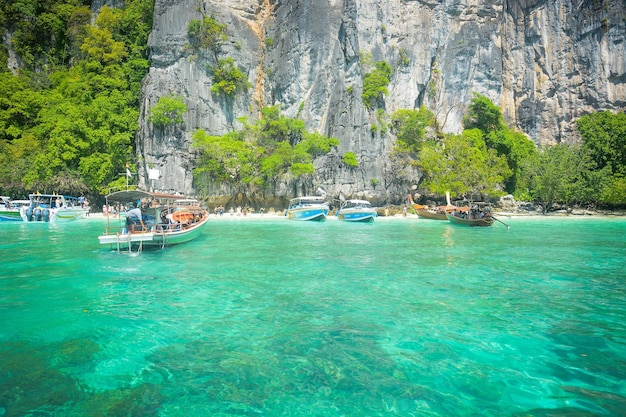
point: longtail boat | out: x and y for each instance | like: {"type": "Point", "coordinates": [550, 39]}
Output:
{"type": "Point", "coordinates": [470, 218]}
{"type": "Point", "coordinates": [166, 220]}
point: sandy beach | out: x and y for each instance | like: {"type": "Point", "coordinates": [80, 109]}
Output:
{"type": "Point", "coordinates": [227, 217]}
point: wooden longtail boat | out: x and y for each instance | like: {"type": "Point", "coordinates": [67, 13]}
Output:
{"type": "Point", "coordinates": [439, 213]}
{"type": "Point", "coordinates": [166, 220]}
{"type": "Point", "coordinates": [425, 212]}
{"type": "Point", "coordinates": [471, 219]}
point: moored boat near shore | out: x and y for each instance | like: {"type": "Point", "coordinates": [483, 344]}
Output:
{"type": "Point", "coordinates": [309, 208]}
{"type": "Point", "coordinates": [438, 213]}
{"type": "Point", "coordinates": [165, 220]}
{"type": "Point", "coordinates": [10, 209]}
{"type": "Point", "coordinates": [52, 207]}
{"type": "Point", "coordinates": [357, 211]}
{"type": "Point", "coordinates": [471, 217]}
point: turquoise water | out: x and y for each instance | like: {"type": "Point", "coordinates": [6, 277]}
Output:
{"type": "Point", "coordinates": [401, 317]}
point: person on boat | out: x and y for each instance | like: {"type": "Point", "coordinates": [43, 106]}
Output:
{"type": "Point", "coordinates": [134, 216]}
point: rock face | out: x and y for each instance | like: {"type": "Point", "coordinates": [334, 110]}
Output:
{"type": "Point", "coordinates": [544, 62]}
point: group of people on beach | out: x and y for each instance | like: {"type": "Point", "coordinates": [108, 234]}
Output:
{"type": "Point", "coordinates": [107, 209]}
{"type": "Point", "coordinates": [219, 210]}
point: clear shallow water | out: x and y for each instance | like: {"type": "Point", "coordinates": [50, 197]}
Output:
{"type": "Point", "coordinates": [401, 317]}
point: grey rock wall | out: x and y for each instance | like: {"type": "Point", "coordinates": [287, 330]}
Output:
{"type": "Point", "coordinates": [544, 62]}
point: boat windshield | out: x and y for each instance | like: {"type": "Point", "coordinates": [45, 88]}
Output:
{"type": "Point", "coordinates": [306, 201]}
{"type": "Point", "coordinates": [357, 204]}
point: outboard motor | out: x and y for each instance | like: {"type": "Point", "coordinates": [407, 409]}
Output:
{"type": "Point", "coordinates": [29, 214]}
{"type": "Point", "coordinates": [45, 215]}
{"type": "Point", "coordinates": [37, 214]}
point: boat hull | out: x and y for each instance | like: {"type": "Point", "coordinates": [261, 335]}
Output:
{"type": "Point", "coordinates": [308, 214]}
{"type": "Point", "coordinates": [52, 215]}
{"type": "Point", "coordinates": [484, 222]}
{"type": "Point", "coordinates": [357, 216]}
{"type": "Point", "coordinates": [156, 237]}
{"type": "Point", "coordinates": [70, 214]}
{"type": "Point", "coordinates": [47, 208]}
{"type": "Point", "coordinates": [425, 214]}
{"type": "Point", "coordinates": [10, 216]}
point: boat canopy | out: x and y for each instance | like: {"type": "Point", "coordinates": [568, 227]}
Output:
{"type": "Point", "coordinates": [133, 195]}
{"type": "Point", "coordinates": [357, 203]}
{"type": "Point", "coordinates": [307, 200]}
{"type": "Point", "coordinates": [187, 202]}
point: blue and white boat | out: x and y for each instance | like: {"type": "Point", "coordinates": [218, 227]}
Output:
{"type": "Point", "coordinates": [310, 208]}
{"type": "Point", "coordinates": [357, 211]}
{"type": "Point", "coordinates": [52, 207]}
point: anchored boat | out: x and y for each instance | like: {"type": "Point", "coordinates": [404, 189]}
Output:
{"type": "Point", "coordinates": [357, 211]}
{"type": "Point", "coordinates": [438, 213]}
{"type": "Point", "coordinates": [165, 220]}
{"type": "Point", "coordinates": [52, 207]}
{"type": "Point", "coordinates": [10, 209]}
{"type": "Point", "coordinates": [310, 208]}
{"type": "Point", "coordinates": [472, 217]}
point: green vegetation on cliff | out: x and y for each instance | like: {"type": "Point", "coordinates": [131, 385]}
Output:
{"type": "Point", "coordinates": [168, 111]}
{"type": "Point", "coordinates": [375, 84]}
{"type": "Point", "coordinates": [208, 35]}
{"type": "Point", "coordinates": [260, 154]}
{"type": "Point", "coordinates": [69, 115]}
{"type": "Point", "coordinates": [489, 159]}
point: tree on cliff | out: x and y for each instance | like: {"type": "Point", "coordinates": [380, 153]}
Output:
{"type": "Point", "coordinates": [375, 84]}
{"type": "Point", "coordinates": [562, 174]}
{"type": "Point", "coordinates": [228, 80]}
{"type": "Point", "coordinates": [258, 155]}
{"type": "Point", "coordinates": [515, 146]}
{"type": "Point", "coordinates": [604, 140]}
{"type": "Point", "coordinates": [463, 165]}
{"type": "Point", "coordinates": [168, 111]}
{"type": "Point", "coordinates": [483, 115]}
{"type": "Point", "coordinates": [208, 34]}
{"type": "Point", "coordinates": [410, 126]}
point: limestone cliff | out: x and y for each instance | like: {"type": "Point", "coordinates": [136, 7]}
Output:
{"type": "Point", "coordinates": [544, 62]}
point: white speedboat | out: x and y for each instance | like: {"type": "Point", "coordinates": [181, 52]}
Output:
{"type": "Point", "coordinates": [167, 220]}
{"type": "Point", "coordinates": [311, 208]}
{"type": "Point", "coordinates": [51, 208]}
{"type": "Point", "coordinates": [10, 209]}
{"type": "Point", "coordinates": [357, 211]}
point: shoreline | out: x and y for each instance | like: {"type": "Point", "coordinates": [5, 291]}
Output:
{"type": "Point", "coordinates": [400, 216]}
